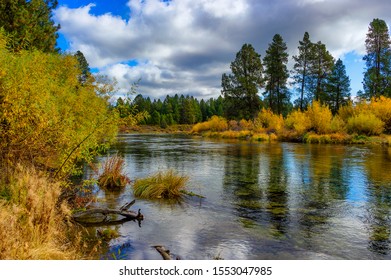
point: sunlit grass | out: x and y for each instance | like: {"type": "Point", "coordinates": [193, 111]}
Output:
{"type": "Point", "coordinates": [32, 224]}
{"type": "Point", "coordinates": [332, 138]}
{"type": "Point", "coordinates": [112, 175]}
{"type": "Point", "coordinates": [163, 184]}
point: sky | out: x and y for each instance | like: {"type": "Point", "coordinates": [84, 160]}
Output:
{"type": "Point", "coordinates": [184, 46]}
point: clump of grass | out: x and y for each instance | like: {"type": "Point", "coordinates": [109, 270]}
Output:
{"type": "Point", "coordinates": [167, 185]}
{"type": "Point", "coordinates": [112, 176]}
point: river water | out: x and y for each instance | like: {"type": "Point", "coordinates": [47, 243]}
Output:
{"type": "Point", "coordinates": [262, 200]}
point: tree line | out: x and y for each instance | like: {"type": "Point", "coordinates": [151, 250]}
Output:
{"type": "Point", "coordinates": [177, 109]}
{"type": "Point", "coordinates": [316, 76]}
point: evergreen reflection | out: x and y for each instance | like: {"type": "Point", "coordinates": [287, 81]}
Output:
{"type": "Point", "coordinates": [378, 166]}
{"type": "Point", "coordinates": [324, 176]}
{"type": "Point", "coordinates": [240, 182]}
{"type": "Point", "coordinates": [276, 190]}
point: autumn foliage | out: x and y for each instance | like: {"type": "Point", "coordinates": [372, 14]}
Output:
{"type": "Point", "coordinates": [47, 117]}
{"type": "Point", "coordinates": [315, 124]}
{"type": "Point", "coordinates": [49, 123]}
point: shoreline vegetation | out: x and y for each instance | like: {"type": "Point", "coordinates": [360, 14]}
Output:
{"type": "Point", "coordinates": [53, 119]}
{"type": "Point", "coordinates": [361, 123]}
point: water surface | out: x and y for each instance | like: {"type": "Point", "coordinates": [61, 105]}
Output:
{"type": "Point", "coordinates": [262, 200]}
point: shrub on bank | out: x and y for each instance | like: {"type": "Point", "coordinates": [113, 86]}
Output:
{"type": "Point", "coordinates": [365, 123]}
{"type": "Point", "coordinates": [298, 121]}
{"type": "Point", "coordinates": [320, 117]}
{"type": "Point", "coordinates": [381, 108]}
{"type": "Point", "coordinates": [266, 119]}
{"type": "Point", "coordinates": [214, 124]}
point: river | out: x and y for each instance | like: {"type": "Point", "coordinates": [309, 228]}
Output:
{"type": "Point", "coordinates": [262, 200]}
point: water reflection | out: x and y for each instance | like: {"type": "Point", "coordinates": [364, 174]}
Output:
{"type": "Point", "coordinates": [378, 166]}
{"type": "Point", "coordinates": [263, 200]}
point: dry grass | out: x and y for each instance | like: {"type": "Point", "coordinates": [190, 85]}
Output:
{"type": "Point", "coordinates": [32, 227]}
{"type": "Point", "coordinates": [165, 185]}
{"type": "Point", "coordinates": [332, 138]}
{"type": "Point", "coordinates": [112, 176]}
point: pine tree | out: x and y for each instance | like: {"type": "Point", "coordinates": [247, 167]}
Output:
{"type": "Point", "coordinates": [377, 78]}
{"type": "Point", "coordinates": [320, 67]}
{"type": "Point", "coordinates": [338, 87]}
{"type": "Point", "coordinates": [276, 75]}
{"type": "Point", "coordinates": [29, 24]}
{"type": "Point", "coordinates": [83, 66]}
{"type": "Point", "coordinates": [240, 89]}
{"type": "Point", "coordinates": [301, 71]}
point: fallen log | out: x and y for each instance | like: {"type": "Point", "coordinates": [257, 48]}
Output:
{"type": "Point", "coordinates": [85, 217]}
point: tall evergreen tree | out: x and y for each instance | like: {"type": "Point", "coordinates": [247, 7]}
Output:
{"type": "Point", "coordinates": [29, 24]}
{"type": "Point", "coordinates": [377, 78]}
{"type": "Point", "coordinates": [338, 87]}
{"type": "Point", "coordinates": [320, 67]}
{"type": "Point", "coordinates": [83, 66]}
{"type": "Point", "coordinates": [300, 69]}
{"type": "Point", "coordinates": [240, 89]}
{"type": "Point", "coordinates": [276, 75]}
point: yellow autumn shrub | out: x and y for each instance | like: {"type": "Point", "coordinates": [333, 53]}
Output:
{"type": "Point", "coordinates": [365, 123]}
{"type": "Point", "coordinates": [266, 119]}
{"type": "Point", "coordinates": [320, 117]}
{"type": "Point", "coordinates": [298, 121]}
{"type": "Point", "coordinates": [47, 117]}
{"type": "Point", "coordinates": [214, 124]}
{"type": "Point", "coordinates": [381, 108]}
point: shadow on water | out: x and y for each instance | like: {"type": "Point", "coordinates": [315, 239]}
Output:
{"type": "Point", "coordinates": [262, 200]}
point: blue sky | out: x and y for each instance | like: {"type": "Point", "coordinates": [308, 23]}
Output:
{"type": "Point", "coordinates": [184, 46]}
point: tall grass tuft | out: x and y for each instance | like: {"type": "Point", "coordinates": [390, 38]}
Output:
{"type": "Point", "coordinates": [112, 176]}
{"type": "Point", "coordinates": [167, 185]}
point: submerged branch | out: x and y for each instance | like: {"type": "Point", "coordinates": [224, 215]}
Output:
{"type": "Point", "coordinates": [85, 217]}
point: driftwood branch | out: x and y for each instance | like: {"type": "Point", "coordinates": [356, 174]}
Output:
{"type": "Point", "coordinates": [165, 253]}
{"type": "Point", "coordinates": [85, 217]}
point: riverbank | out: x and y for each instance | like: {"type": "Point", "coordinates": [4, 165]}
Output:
{"type": "Point", "coordinates": [266, 136]}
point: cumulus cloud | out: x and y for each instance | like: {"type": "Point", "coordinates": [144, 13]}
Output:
{"type": "Point", "coordinates": [184, 46]}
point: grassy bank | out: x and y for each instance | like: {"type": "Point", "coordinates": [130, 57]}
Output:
{"type": "Point", "coordinates": [50, 122]}
{"type": "Point", "coordinates": [33, 225]}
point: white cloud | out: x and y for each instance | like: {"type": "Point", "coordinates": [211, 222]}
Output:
{"type": "Point", "coordinates": [184, 46]}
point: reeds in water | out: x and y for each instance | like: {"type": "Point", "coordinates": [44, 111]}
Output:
{"type": "Point", "coordinates": [163, 184]}
{"type": "Point", "coordinates": [112, 176]}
